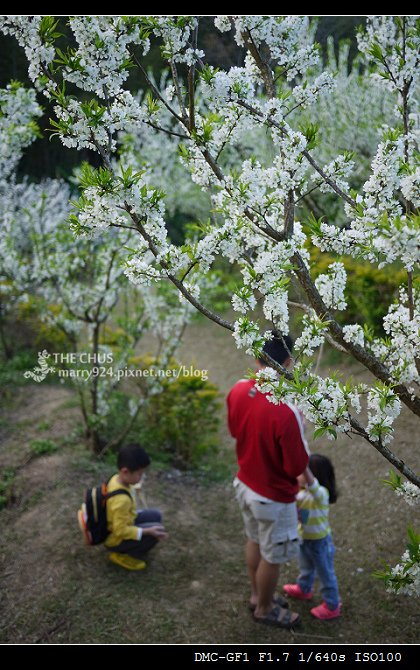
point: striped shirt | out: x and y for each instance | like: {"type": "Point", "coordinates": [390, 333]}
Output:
{"type": "Point", "coordinates": [313, 509]}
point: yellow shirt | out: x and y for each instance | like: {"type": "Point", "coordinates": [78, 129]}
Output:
{"type": "Point", "coordinates": [120, 514]}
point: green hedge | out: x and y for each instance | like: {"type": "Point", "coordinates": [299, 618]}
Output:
{"type": "Point", "coordinates": [369, 290]}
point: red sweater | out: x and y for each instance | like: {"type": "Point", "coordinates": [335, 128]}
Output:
{"type": "Point", "coordinates": [270, 445]}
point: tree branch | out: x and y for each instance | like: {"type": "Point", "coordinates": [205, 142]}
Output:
{"type": "Point", "coordinates": [165, 130]}
{"type": "Point", "coordinates": [387, 453]}
{"type": "Point", "coordinates": [191, 88]}
{"type": "Point", "coordinates": [153, 87]}
{"type": "Point", "coordinates": [289, 215]}
{"type": "Point", "coordinates": [175, 78]}
{"type": "Point", "coordinates": [262, 65]}
{"type": "Point", "coordinates": [191, 299]}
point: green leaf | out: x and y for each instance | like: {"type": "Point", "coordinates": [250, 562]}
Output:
{"type": "Point", "coordinates": [319, 432]}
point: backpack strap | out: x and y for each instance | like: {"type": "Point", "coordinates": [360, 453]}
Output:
{"type": "Point", "coordinates": [117, 493]}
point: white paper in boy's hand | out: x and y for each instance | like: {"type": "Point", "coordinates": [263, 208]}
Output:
{"type": "Point", "coordinates": [141, 498]}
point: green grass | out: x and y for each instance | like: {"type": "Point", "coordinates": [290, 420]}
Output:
{"type": "Point", "coordinates": [7, 482]}
{"type": "Point", "coordinates": [43, 425]}
{"type": "Point", "coordinates": [42, 447]}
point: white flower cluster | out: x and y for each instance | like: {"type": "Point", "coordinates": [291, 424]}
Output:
{"type": "Point", "coordinates": [340, 168]}
{"type": "Point", "coordinates": [238, 82]}
{"type": "Point", "coordinates": [404, 346]}
{"type": "Point", "coordinates": [141, 271]}
{"type": "Point", "coordinates": [306, 95]}
{"type": "Point", "coordinates": [285, 36]}
{"type": "Point", "coordinates": [312, 335]}
{"type": "Point", "coordinates": [276, 309]}
{"type": "Point", "coordinates": [397, 50]}
{"type": "Point", "coordinates": [247, 336]}
{"type": "Point", "coordinates": [383, 242]}
{"type": "Point", "coordinates": [324, 402]}
{"type": "Point", "coordinates": [176, 33]}
{"type": "Point", "coordinates": [101, 210]}
{"type": "Point", "coordinates": [26, 29]}
{"type": "Point", "coordinates": [408, 571]}
{"type": "Point", "coordinates": [80, 127]}
{"type": "Point", "coordinates": [409, 492]}
{"type": "Point", "coordinates": [269, 276]}
{"type": "Point", "coordinates": [410, 187]}
{"type": "Point", "coordinates": [99, 63]}
{"type": "Point", "coordinates": [105, 206]}
{"type": "Point", "coordinates": [384, 181]}
{"type": "Point", "coordinates": [18, 111]}
{"type": "Point", "coordinates": [223, 23]}
{"type": "Point", "coordinates": [243, 300]}
{"type": "Point", "coordinates": [201, 172]}
{"type": "Point", "coordinates": [384, 407]}
{"type": "Point", "coordinates": [264, 190]}
{"type": "Point", "coordinates": [354, 334]}
{"type": "Point", "coordinates": [331, 286]}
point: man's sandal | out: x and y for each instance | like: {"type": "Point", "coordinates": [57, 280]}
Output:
{"type": "Point", "coordinates": [280, 617]}
{"type": "Point", "coordinates": [277, 600]}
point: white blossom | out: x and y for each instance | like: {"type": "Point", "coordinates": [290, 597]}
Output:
{"type": "Point", "coordinates": [354, 334]}
{"type": "Point", "coordinates": [408, 572]}
{"type": "Point", "coordinates": [410, 493]}
{"type": "Point", "coordinates": [384, 407]}
{"type": "Point", "coordinates": [331, 286]}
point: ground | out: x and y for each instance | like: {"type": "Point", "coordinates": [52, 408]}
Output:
{"type": "Point", "coordinates": [194, 589]}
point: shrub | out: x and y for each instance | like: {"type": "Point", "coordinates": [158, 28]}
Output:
{"type": "Point", "coordinates": [45, 335]}
{"type": "Point", "coordinates": [369, 290]}
{"type": "Point", "coordinates": [183, 420]}
{"type": "Point", "coordinates": [11, 371]}
{"type": "Point", "coordinates": [24, 328]}
{"type": "Point", "coordinates": [41, 447]}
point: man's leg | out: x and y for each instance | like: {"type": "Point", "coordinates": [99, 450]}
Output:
{"type": "Point", "coordinates": [253, 558]}
{"type": "Point", "coordinates": [267, 576]}
{"type": "Point", "coordinates": [275, 521]}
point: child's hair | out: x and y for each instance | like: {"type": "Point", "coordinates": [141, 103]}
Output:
{"type": "Point", "coordinates": [133, 457]}
{"type": "Point", "coordinates": [322, 468]}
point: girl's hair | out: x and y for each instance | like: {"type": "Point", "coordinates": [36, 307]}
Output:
{"type": "Point", "coordinates": [322, 468]}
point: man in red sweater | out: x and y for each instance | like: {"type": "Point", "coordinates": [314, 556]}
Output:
{"type": "Point", "coordinates": [271, 452]}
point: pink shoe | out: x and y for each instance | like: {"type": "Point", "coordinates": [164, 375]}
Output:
{"type": "Point", "coordinates": [323, 612]}
{"type": "Point", "coordinates": [294, 591]}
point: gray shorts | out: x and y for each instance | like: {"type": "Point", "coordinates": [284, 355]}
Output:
{"type": "Point", "coordinates": [272, 525]}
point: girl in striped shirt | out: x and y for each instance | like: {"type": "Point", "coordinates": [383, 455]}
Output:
{"type": "Point", "coordinates": [317, 550]}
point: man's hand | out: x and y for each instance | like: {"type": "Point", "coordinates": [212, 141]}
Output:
{"type": "Point", "coordinates": [157, 531]}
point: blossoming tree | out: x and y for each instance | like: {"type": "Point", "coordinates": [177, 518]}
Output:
{"type": "Point", "coordinates": [77, 283]}
{"type": "Point", "coordinates": [256, 204]}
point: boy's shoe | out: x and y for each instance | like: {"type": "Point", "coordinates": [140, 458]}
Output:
{"type": "Point", "coordinates": [324, 612]}
{"type": "Point", "coordinates": [294, 591]}
{"type": "Point", "coordinates": [127, 562]}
